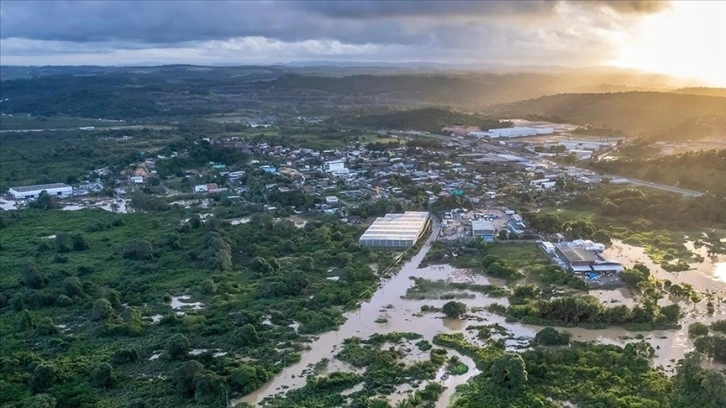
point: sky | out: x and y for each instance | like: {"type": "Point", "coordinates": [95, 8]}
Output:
{"type": "Point", "coordinates": [681, 38]}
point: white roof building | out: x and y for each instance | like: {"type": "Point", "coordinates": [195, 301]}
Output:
{"type": "Point", "coordinates": [396, 230]}
{"type": "Point", "coordinates": [32, 192]}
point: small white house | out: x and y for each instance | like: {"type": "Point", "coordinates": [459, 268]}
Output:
{"type": "Point", "coordinates": [548, 247]}
{"type": "Point", "coordinates": [201, 188]}
{"type": "Point", "coordinates": [136, 179]}
{"type": "Point", "coordinates": [331, 200]}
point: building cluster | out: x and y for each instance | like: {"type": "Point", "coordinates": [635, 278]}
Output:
{"type": "Point", "coordinates": [487, 223]}
{"type": "Point", "coordinates": [582, 257]}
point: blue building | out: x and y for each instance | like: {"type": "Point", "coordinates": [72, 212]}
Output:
{"type": "Point", "coordinates": [269, 169]}
{"type": "Point", "coordinates": [483, 229]}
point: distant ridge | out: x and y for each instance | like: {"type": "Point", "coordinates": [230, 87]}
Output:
{"type": "Point", "coordinates": [702, 91]}
{"type": "Point", "coordinates": [631, 112]}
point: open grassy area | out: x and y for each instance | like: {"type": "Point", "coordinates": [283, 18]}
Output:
{"type": "Point", "coordinates": [520, 254]}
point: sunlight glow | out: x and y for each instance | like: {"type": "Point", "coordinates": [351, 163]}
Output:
{"type": "Point", "coordinates": [687, 41]}
{"type": "Point", "coordinates": [720, 272]}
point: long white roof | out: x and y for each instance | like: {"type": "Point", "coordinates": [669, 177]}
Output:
{"type": "Point", "coordinates": [406, 226]}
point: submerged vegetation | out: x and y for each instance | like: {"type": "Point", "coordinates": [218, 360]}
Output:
{"type": "Point", "coordinates": [381, 369]}
{"type": "Point", "coordinates": [584, 374]}
{"type": "Point", "coordinates": [95, 316]}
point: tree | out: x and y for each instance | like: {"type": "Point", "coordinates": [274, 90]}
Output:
{"type": "Point", "coordinates": [453, 309]}
{"type": "Point", "coordinates": [247, 335]}
{"type": "Point", "coordinates": [138, 250]}
{"type": "Point", "coordinates": [32, 276]}
{"type": "Point", "coordinates": [26, 322]}
{"type": "Point", "coordinates": [549, 336]}
{"type": "Point", "coordinates": [247, 378]}
{"type": "Point", "coordinates": [41, 401]}
{"type": "Point", "coordinates": [102, 309]}
{"type": "Point", "coordinates": [208, 287]}
{"type": "Point", "coordinates": [689, 375]}
{"type": "Point", "coordinates": [46, 327]}
{"type": "Point", "coordinates": [714, 389]}
{"type": "Point", "coordinates": [183, 377]}
{"type": "Point", "coordinates": [44, 375]}
{"type": "Point", "coordinates": [73, 287]}
{"type": "Point", "coordinates": [79, 242]}
{"type": "Point", "coordinates": [63, 242]}
{"type": "Point", "coordinates": [45, 201]}
{"type": "Point", "coordinates": [508, 371]}
{"type": "Point", "coordinates": [209, 388]}
{"type": "Point", "coordinates": [697, 329]}
{"type": "Point", "coordinates": [102, 376]}
{"type": "Point", "coordinates": [125, 355]}
{"type": "Point", "coordinates": [178, 346]}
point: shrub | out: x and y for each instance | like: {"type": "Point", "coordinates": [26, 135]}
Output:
{"type": "Point", "coordinates": [102, 376]}
{"type": "Point", "coordinates": [73, 287]}
{"type": "Point", "coordinates": [46, 327]}
{"type": "Point", "coordinates": [697, 329]}
{"type": "Point", "coordinates": [138, 250]}
{"type": "Point", "coordinates": [549, 336]}
{"type": "Point", "coordinates": [44, 375]}
{"type": "Point", "coordinates": [178, 346]}
{"type": "Point", "coordinates": [33, 277]}
{"type": "Point", "coordinates": [102, 309]}
{"type": "Point", "coordinates": [454, 310]}
{"type": "Point", "coordinates": [125, 356]}
{"type": "Point", "coordinates": [79, 242]}
{"type": "Point", "coordinates": [719, 325]}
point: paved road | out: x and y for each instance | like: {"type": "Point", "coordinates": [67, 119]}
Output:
{"type": "Point", "coordinates": [643, 183]}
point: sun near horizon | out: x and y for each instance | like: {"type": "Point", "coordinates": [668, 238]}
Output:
{"type": "Point", "coordinates": [688, 40]}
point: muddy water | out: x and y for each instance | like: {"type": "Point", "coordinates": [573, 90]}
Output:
{"type": "Point", "coordinates": [361, 323]}
{"type": "Point", "coordinates": [405, 316]}
{"type": "Point", "coordinates": [707, 275]}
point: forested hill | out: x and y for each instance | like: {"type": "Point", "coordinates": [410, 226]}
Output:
{"type": "Point", "coordinates": [428, 119]}
{"type": "Point", "coordinates": [703, 171]}
{"type": "Point", "coordinates": [631, 112]}
{"type": "Point", "coordinates": [137, 92]}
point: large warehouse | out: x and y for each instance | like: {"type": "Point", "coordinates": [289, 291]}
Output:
{"type": "Point", "coordinates": [513, 132]}
{"type": "Point", "coordinates": [396, 230]}
{"type": "Point", "coordinates": [32, 192]}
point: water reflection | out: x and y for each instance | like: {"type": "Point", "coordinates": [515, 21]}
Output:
{"type": "Point", "coordinates": [404, 315]}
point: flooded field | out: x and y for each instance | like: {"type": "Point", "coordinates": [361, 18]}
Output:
{"type": "Point", "coordinates": [404, 315]}
{"type": "Point", "coordinates": [704, 276]}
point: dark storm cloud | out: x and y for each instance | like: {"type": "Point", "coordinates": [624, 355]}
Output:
{"type": "Point", "coordinates": [356, 22]}
{"type": "Point", "coordinates": [387, 9]}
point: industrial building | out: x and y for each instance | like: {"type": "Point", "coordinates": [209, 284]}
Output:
{"type": "Point", "coordinates": [396, 230]}
{"type": "Point", "coordinates": [32, 192]}
{"type": "Point", "coordinates": [514, 132]}
{"type": "Point", "coordinates": [334, 166]}
{"type": "Point", "coordinates": [583, 257]}
{"type": "Point", "coordinates": [483, 229]}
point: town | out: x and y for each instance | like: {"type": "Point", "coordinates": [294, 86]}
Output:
{"type": "Point", "coordinates": [467, 180]}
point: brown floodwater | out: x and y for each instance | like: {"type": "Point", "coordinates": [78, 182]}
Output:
{"type": "Point", "coordinates": [405, 316]}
